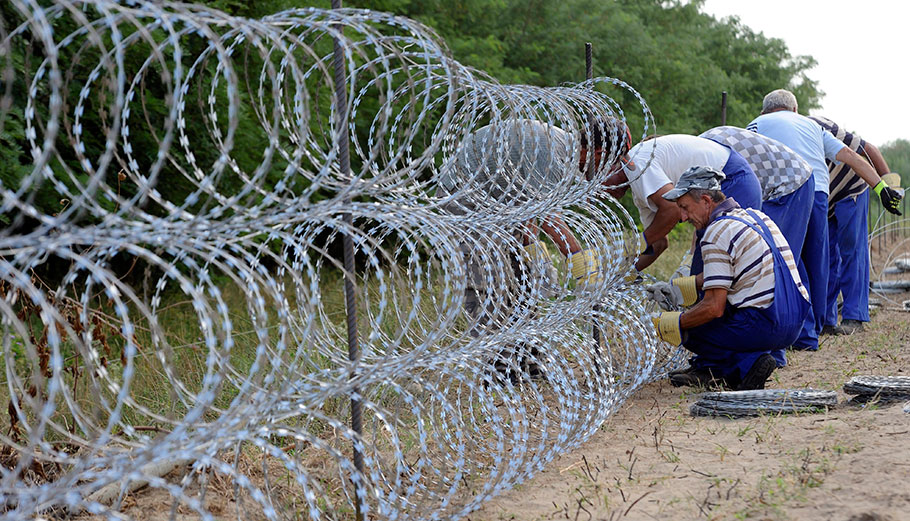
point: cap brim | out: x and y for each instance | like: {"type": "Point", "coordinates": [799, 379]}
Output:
{"type": "Point", "coordinates": [675, 194]}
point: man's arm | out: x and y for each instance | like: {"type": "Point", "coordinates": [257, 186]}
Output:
{"type": "Point", "coordinates": [878, 161]}
{"type": "Point", "coordinates": [562, 235]}
{"type": "Point", "coordinates": [707, 309]}
{"type": "Point", "coordinates": [665, 219]}
{"type": "Point", "coordinates": [859, 165]}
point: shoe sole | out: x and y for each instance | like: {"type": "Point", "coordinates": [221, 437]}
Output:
{"type": "Point", "coordinates": [758, 374]}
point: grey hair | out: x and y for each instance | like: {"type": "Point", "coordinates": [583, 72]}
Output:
{"type": "Point", "coordinates": [715, 195]}
{"type": "Point", "coordinates": [779, 99]}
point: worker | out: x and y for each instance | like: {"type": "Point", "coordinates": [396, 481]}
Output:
{"type": "Point", "coordinates": [785, 177]}
{"type": "Point", "coordinates": [501, 166]}
{"type": "Point", "coordinates": [848, 232]}
{"type": "Point", "coordinates": [651, 169]}
{"type": "Point", "coordinates": [779, 120]}
{"type": "Point", "coordinates": [753, 302]}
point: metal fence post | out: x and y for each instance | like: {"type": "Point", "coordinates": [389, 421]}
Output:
{"type": "Point", "coordinates": [344, 160]}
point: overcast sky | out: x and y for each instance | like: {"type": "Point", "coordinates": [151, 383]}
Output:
{"type": "Point", "coordinates": [862, 52]}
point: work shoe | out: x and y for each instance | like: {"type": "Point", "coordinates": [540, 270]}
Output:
{"type": "Point", "coordinates": [832, 330]}
{"type": "Point", "coordinates": [850, 326]}
{"type": "Point", "coordinates": [758, 374]}
{"type": "Point", "coordinates": [688, 369]}
{"type": "Point", "coordinates": [697, 378]}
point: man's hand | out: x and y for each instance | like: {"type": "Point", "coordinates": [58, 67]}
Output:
{"type": "Point", "coordinates": [687, 288]}
{"type": "Point", "coordinates": [585, 267]}
{"type": "Point", "coordinates": [540, 262]}
{"type": "Point", "coordinates": [891, 198]}
{"type": "Point", "coordinates": [667, 327]}
{"type": "Point", "coordinates": [667, 296]}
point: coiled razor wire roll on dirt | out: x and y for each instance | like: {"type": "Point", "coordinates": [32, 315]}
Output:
{"type": "Point", "coordinates": [888, 387]}
{"type": "Point", "coordinates": [764, 401]}
{"type": "Point", "coordinates": [176, 322]}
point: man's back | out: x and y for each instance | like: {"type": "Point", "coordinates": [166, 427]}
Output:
{"type": "Point", "coordinates": [805, 137]}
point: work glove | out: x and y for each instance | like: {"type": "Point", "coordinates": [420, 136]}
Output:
{"type": "Point", "coordinates": [633, 276]}
{"type": "Point", "coordinates": [538, 258]}
{"type": "Point", "coordinates": [585, 267]}
{"type": "Point", "coordinates": [667, 296]}
{"type": "Point", "coordinates": [891, 198]}
{"type": "Point", "coordinates": [667, 327]}
{"type": "Point", "coordinates": [687, 288]}
{"type": "Point", "coordinates": [670, 296]}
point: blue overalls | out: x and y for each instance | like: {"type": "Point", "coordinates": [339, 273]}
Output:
{"type": "Point", "coordinates": [741, 184]}
{"type": "Point", "coordinates": [848, 240]}
{"type": "Point", "coordinates": [791, 214]}
{"type": "Point", "coordinates": [729, 345]}
{"type": "Point", "coordinates": [815, 260]}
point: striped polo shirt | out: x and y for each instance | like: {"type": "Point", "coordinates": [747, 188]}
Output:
{"type": "Point", "coordinates": [739, 260]}
{"type": "Point", "coordinates": [844, 181]}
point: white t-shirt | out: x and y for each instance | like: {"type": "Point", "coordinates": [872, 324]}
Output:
{"type": "Point", "coordinates": [673, 155]}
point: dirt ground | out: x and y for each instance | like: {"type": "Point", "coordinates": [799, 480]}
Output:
{"type": "Point", "coordinates": [653, 460]}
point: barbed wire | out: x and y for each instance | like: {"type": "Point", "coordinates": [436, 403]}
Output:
{"type": "Point", "coordinates": [177, 322]}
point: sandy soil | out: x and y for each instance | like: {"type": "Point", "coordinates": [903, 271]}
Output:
{"type": "Point", "coordinates": [653, 460]}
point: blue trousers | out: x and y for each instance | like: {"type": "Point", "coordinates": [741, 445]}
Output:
{"type": "Point", "coordinates": [791, 214]}
{"type": "Point", "coordinates": [741, 184]}
{"type": "Point", "coordinates": [815, 260]}
{"type": "Point", "coordinates": [729, 345]}
{"type": "Point", "coordinates": [848, 246]}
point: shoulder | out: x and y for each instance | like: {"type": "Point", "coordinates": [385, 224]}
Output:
{"type": "Point", "coordinates": [725, 227]}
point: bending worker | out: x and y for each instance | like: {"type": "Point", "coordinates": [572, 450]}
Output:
{"type": "Point", "coordinates": [754, 301]}
{"type": "Point", "coordinates": [779, 120]}
{"type": "Point", "coordinates": [501, 167]}
{"type": "Point", "coordinates": [848, 232]}
{"type": "Point", "coordinates": [655, 165]}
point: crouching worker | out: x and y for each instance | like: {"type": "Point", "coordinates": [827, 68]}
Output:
{"type": "Point", "coordinates": [754, 302]}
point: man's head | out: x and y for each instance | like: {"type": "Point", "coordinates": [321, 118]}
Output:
{"type": "Point", "coordinates": [777, 100]}
{"type": "Point", "coordinates": [697, 193]}
{"type": "Point", "coordinates": [609, 138]}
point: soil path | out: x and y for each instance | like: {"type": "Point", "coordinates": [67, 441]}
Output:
{"type": "Point", "coordinates": [653, 460]}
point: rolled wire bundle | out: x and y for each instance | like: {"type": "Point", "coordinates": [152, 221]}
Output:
{"type": "Point", "coordinates": [883, 386]}
{"type": "Point", "coordinates": [176, 321]}
{"type": "Point", "coordinates": [765, 401]}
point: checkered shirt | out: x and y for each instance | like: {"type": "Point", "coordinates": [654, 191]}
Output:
{"type": "Point", "coordinates": [780, 170]}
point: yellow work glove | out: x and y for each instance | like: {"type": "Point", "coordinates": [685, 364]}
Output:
{"type": "Point", "coordinates": [538, 258]}
{"type": "Point", "coordinates": [585, 267]}
{"type": "Point", "coordinates": [687, 287]}
{"type": "Point", "coordinates": [537, 252]}
{"type": "Point", "coordinates": [667, 327]}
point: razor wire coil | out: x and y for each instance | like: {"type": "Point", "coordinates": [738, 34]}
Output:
{"type": "Point", "coordinates": [202, 150]}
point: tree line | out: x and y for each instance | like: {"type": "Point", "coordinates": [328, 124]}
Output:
{"type": "Point", "coordinates": [676, 56]}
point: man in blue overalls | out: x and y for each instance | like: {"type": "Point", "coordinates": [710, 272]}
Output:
{"type": "Point", "coordinates": [754, 301]}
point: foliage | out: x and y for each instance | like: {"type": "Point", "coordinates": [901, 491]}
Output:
{"type": "Point", "coordinates": [897, 154]}
{"type": "Point", "coordinates": [679, 58]}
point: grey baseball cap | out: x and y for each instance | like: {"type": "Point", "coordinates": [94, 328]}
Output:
{"type": "Point", "coordinates": [703, 177]}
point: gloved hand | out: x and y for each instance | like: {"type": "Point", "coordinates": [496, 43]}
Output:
{"type": "Point", "coordinates": [687, 288]}
{"type": "Point", "coordinates": [633, 276]}
{"type": "Point", "coordinates": [538, 258]}
{"type": "Point", "coordinates": [585, 267]}
{"type": "Point", "coordinates": [667, 327]}
{"type": "Point", "coordinates": [891, 198]}
{"type": "Point", "coordinates": [667, 296]}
